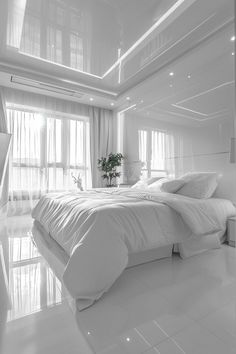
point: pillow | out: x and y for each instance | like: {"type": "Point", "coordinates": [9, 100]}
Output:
{"type": "Point", "coordinates": [141, 184]}
{"type": "Point", "coordinates": [153, 179]}
{"type": "Point", "coordinates": [144, 183]}
{"type": "Point", "coordinates": [172, 186]}
{"type": "Point", "coordinates": [200, 185]}
{"type": "Point", "coordinates": [166, 185]}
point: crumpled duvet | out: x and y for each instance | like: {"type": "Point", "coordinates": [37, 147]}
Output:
{"type": "Point", "coordinates": [99, 228]}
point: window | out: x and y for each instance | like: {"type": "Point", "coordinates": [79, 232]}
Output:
{"type": "Point", "coordinates": [156, 152]}
{"type": "Point", "coordinates": [54, 44]}
{"type": "Point", "coordinates": [76, 52]}
{"type": "Point", "coordinates": [46, 150]}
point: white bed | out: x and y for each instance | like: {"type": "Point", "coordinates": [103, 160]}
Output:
{"type": "Point", "coordinates": [97, 234]}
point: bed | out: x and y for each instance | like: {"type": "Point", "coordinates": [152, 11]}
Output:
{"type": "Point", "coordinates": [97, 234]}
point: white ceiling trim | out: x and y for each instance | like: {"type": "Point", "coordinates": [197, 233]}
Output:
{"type": "Point", "coordinates": [190, 110]}
{"type": "Point", "coordinates": [207, 91]}
{"type": "Point", "coordinates": [180, 106]}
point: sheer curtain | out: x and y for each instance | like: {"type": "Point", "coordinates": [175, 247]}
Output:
{"type": "Point", "coordinates": [51, 141]}
{"type": "Point", "coordinates": [101, 142]}
{"type": "Point", "coordinates": [3, 129]}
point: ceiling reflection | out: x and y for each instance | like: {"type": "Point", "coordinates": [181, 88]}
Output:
{"type": "Point", "coordinates": [86, 35]}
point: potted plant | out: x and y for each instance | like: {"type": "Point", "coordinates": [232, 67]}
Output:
{"type": "Point", "coordinates": [108, 166]}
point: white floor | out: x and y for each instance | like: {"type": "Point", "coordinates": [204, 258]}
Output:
{"type": "Point", "coordinates": [171, 306]}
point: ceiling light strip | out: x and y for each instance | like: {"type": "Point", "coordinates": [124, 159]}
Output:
{"type": "Point", "coordinates": [169, 12]}
{"type": "Point", "coordinates": [207, 91]}
{"type": "Point", "coordinates": [127, 109]}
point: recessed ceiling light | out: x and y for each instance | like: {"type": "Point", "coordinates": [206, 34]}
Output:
{"type": "Point", "coordinates": [128, 339]}
{"type": "Point", "coordinates": [112, 104]}
{"type": "Point", "coordinates": [232, 53]}
{"type": "Point", "coordinates": [189, 76]}
{"type": "Point", "coordinates": [232, 38]}
{"type": "Point", "coordinates": [128, 98]}
{"type": "Point", "coordinates": [91, 99]}
{"type": "Point", "coordinates": [141, 101]}
{"type": "Point", "coordinates": [171, 73]}
{"type": "Point", "coordinates": [171, 85]}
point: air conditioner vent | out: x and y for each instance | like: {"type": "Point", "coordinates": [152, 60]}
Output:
{"type": "Point", "coordinates": [46, 87]}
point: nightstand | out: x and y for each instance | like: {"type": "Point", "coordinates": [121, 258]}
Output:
{"type": "Point", "coordinates": [231, 231]}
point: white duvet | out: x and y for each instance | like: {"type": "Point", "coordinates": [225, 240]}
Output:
{"type": "Point", "coordinates": [98, 229]}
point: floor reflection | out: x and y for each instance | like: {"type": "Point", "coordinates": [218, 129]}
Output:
{"type": "Point", "coordinates": [32, 284]}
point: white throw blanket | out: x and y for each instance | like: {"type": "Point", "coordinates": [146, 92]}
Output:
{"type": "Point", "coordinates": [98, 229]}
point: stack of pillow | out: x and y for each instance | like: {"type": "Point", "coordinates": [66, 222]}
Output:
{"type": "Point", "coordinates": [199, 185]}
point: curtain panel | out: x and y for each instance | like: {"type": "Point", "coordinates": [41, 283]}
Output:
{"type": "Point", "coordinates": [3, 129]}
{"type": "Point", "coordinates": [101, 139]}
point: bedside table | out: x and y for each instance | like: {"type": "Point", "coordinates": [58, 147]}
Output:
{"type": "Point", "coordinates": [231, 231]}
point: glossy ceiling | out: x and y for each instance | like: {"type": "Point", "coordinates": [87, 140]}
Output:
{"type": "Point", "coordinates": [108, 48]}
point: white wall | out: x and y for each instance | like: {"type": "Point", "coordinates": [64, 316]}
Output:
{"type": "Point", "coordinates": [197, 148]}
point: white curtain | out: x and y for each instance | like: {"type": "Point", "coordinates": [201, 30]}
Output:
{"type": "Point", "coordinates": [101, 139]}
{"type": "Point", "coordinates": [51, 141]}
{"type": "Point", "coordinates": [3, 129]}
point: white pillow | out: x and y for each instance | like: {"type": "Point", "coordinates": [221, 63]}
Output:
{"type": "Point", "coordinates": [200, 185]}
{"type": "Point", "coordinates": [166, 185]}
{"type": "Point", "coordinates": [141, 184]}
{"type": "Point", "coordinates": [144, 183]}
{"type": "Point", "coordinates": [172, 186]}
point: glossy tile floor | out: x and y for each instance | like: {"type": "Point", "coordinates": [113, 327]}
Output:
{"type": "Point", "coordinates": [170, 306]}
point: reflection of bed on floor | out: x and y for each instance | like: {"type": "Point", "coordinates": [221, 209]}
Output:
{"type": "Point", "coordinates": [95, 235]}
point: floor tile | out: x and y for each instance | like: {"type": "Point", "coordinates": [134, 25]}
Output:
{"type": "Point", "coordinates": [170, 346]}
{"type": "Point", "coordinates": [222, 323]}
{"type": "Point", "coordinates": [197, 340]}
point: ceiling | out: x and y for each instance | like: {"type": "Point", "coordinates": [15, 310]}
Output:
{"type": "Point", "coordinates": [103, 51]}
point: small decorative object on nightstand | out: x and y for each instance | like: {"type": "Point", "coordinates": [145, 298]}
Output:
{"type": "Point", "coordinates": [231, 231]}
